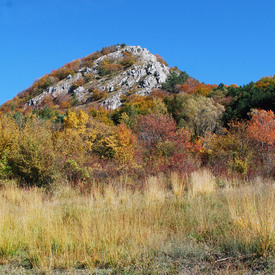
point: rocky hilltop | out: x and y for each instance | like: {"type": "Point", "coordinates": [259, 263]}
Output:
{"type": "Point", "coordinates": [106, 77]}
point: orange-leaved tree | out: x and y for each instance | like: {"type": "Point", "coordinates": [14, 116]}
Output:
{"type": "Point", "coordinates": [261, 129]}
{"type": "Point", "coordinates": [266, 81]}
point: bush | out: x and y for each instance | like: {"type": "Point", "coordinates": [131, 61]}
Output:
{"type": "Point", "coordinates": [108, 66]}
{"type": "Point", "coordinates": [89, 60]}
{"type": "Point", "coordinates": [62, 73]}
{"type": "Point", "coordinates": [73, 172]}
{"type": "Point", "coordinates": [161, 60]}
{"type": "Point", "coordinates": [79, 82]}
{"type": "Point", "coordinates": [234, 149]}
{"type": "Point", "coordinates": [33, 159]}
{"type": "Point", "coordinates": [46, 113]}
{"type": "Point", "coordinates": [97, 95]}
{"type": "Point", "coordinates": [153, 129]}
{"type": "Point", "coordinates": [5, 168]}
{"type": "Point", "coordinates": [43, 83]}
{"type": "Point", "coordinates": [128, 60]}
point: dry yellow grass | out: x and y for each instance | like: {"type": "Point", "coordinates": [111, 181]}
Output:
{"type": "Point", "coordinates": [111, 227]}
{"type": "Point", "coordinates": [116, 227]}
{"type": "Point", "coordinates": [155, 190]}
{"type": "Point", "coordinates": [178, 183]}
{"type": "Point", "coordinates": [201, 183]}
{"type": "Point", "coordinates": [252, 209]}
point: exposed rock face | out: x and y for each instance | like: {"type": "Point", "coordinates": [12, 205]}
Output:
{"type": "Point", "coordinates": [141, 78]}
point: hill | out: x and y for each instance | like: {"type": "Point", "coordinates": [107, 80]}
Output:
{"type": "Point", "coordinates": [104, 77]}
{"type": "Point", "coordinates": [119, 74]}
{"type": "Point", "coordinates": [127, 110]}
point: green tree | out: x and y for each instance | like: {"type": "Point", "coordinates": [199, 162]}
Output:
{"type": "Point", "coordinates": [246, 98]}
{"type": "Point", "coordinates": [46, 113]}
{"type": "Point", "coordinates": [196, 112]}
{"type": "Point", "coordinates": [174, 79]}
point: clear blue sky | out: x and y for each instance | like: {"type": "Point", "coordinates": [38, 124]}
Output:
{"type": "Point", "coordinates": [228, 41]}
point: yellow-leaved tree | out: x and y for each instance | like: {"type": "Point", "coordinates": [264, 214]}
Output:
{"type": "Point", "coordinates": [9, 133]}
{"type": "Point", "coordinates": [127, 141]}
{"type": "Point", "coordinates": [74, 140]}
{"type": "Point", "coordinates": [76, 120]}
{"type": "Point", "coordinates": [32, 158]}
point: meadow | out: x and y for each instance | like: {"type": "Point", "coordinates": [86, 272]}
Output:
{"type": "Point", "coordinates": [168, 224]}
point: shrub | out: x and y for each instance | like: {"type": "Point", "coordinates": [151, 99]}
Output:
{"type": "Point", "coordinates": [198, 113]}
{"type": "Point", "coordinates": [89, 60]}
{"type": "Point", "coordinates": [43, 83]}
{"type": "Point", "coordinates": [33, 159]}
{"type": "Point", "coordinates": [9, 133]}
{"type": "Point", "coordinates": [160, 60]}
{"type": "Point", "coordinates": [48, 100]}
{"type": "Point", "coordinates": [234, 149]}
{"type": "Point", "coordinates": [105, 142]}
{"type": "Point", "coordinates": [76, 120]}
{"type": "Point", "coordinates": [79, 82]}
{"type": "Point", "coordinates": [73, 172]}
{"type": "Point", "coordinates": [46, 113]}
{"type": "Point", "coordinates": [74, 65]}
{"type": "Point", "coordinates": [102, 115]}
{"type": "Point", "coordinates": [88, 77]}
{"type": "Point", "coordinates": [205, 89]}
{"type": "Point", "coordinates": [97, 95]}
{"type": "Point", "coordinates": [128, 60]}
{"type": "Point", "coordinates": [62, 72]}
{"type": "Point", "coordinates": [64, 101]}
{"type": "Point", "coordinates": [108, 49]}
{"type": "Point", "coordinates": [261, 129]}
{"type": "Point", "coordinates": [154, 129]}
{"type": "Point", "coordinates": [266, 81]}
{"type": "Point", "coordinates": [5, 168]}
{"type": "Point", "coordinates": [18, 117]}
{"type": "Point", "coordinates": [190, 85]}
{"type": "Point", "coordinates": [108, 66]}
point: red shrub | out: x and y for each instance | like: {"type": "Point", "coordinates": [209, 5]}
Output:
{"type": "Point", "coordinates": [152, 129]}
{"type": "Point", "coordinates": [161, 130]}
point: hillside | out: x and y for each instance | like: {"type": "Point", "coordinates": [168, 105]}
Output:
{"type": "Point", "coordinates": [104, 77]}
{"type": "Point", "coordinates": [119, 74]}
{"type": "Point", "coordinates": [123, 71]}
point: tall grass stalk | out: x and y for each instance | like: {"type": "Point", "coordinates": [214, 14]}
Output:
{"type": "Point", "coordinates": [252, 209]}
{"type": "Point", "coordinates": [178, 183]}
{"type": "Point", "coordinates": [201, 183]}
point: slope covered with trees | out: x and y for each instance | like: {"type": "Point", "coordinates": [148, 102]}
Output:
{"type": "Point", "coordinates": [183, 125]}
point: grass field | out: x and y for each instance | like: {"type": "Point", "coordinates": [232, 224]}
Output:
{"type": "Point", "coordinates": [197, 224]}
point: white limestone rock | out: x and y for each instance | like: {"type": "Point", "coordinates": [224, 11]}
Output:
{"type": "Point", "coordinates": [141, 78]}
